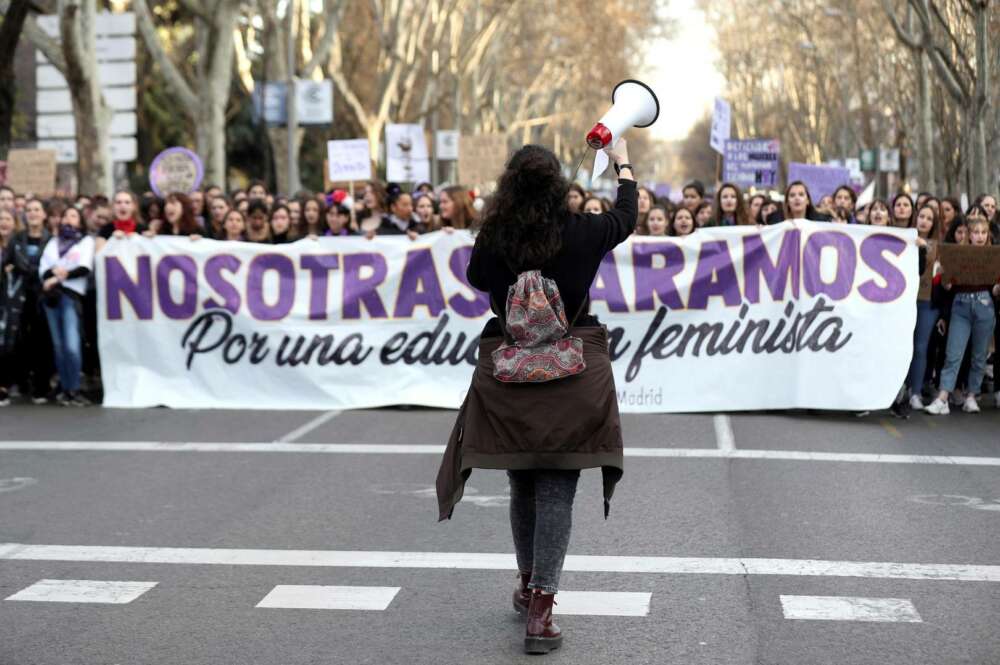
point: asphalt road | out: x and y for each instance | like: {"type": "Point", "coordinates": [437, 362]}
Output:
{"type": "Point", "coordinates": [773, 539]}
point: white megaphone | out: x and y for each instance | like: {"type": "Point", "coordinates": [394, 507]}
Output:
{"type": "Point", "coordinates": [634, 104]}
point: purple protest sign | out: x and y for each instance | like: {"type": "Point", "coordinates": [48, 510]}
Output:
{"type": "Point", "coordinates": [821, 180]}
{"type": "Point", "coordinates": [175, 170]}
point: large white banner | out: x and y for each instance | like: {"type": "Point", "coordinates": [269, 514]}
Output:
{"type": "Point", "coordinates": [801, 314]}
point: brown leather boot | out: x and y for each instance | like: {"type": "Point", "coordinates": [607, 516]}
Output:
{"type": "Point", "coordinates": [542, 635]}
{"type": "Point", "coordinates": [522, 594]}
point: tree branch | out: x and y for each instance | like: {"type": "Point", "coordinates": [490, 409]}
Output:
{"type": "Point", "coordinates": [175, 79]}
{"type": "Point", "coordinates": [48, 46]}
{"type": "Point", "coordinates": [332, 10]}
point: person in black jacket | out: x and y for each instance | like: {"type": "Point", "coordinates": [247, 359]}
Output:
{"type": "Point", "coordinates": [544, 433]}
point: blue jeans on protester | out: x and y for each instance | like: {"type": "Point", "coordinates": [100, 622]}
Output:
{"type": "Point", "coordinates": [927, 316]}
{"type": "Point", "coordinates": [972, 316]}
{"type": "Point", "coordinates": [64, 325]}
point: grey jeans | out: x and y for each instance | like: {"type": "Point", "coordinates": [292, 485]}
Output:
{"type": "Point", "coordinates": [541, 516]}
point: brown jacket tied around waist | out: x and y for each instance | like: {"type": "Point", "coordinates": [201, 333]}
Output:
{"type": "Point", "coordinates": [570, 423]}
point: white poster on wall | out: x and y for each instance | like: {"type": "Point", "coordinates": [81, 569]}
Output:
{"type": "Point", "coordinates": [348, 160]}
{"type": "Point", "coordinates": [407, 159]}
{"type": "Point", "coordinates": [795, 315]}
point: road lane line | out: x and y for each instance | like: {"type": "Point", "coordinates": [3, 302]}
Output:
{"type": "Point", "coordinates": [723, 432]}
{"type": "Point", "coordinates": [83, 591]}
{"type": "Point", "coordinates": [312, 597]}
{"type": "Point", "coordinates": [495, 561]}
{"type": "Point", "coordinates": [431, 449]}
{"type": "Point", "coordinates": [849, 608]}
{"type": "Point", "coordinates": [318, 421]}
{"type": "Point", "coordinates": [603, 603]}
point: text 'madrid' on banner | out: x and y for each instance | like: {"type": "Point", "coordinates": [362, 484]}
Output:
{"type": "Point", "coordinates": [796, 315]}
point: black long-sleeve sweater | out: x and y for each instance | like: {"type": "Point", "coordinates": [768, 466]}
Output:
{"type": "Point", "coordinates": [586, 239]}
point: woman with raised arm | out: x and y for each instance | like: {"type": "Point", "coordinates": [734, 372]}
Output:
{"type": "Point", "coordinates": [542, 402]}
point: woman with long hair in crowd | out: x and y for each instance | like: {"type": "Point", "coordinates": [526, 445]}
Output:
{"type": "Point", "coordinates": [218, 210]}
{"type": "Point", "coordinates": [754, 205]}
{"type": "Point", "coordinates": [455, 208]}
{"type": "Point", "coordinates": [703, 214]}
{"type": "Point", "coordinates": [798, 204]}
{"type": "Point", "coordinates": [730, 208]}
{"type": "Point", "coordinates": [542, 433]}
{"type": "Point", "coordinates": [971, 319]}
{"type": "Point", "coordinates": [126, 219]}
{"type": "Point", "coordinates": [311, 223]}
{"type": "Point", "coordinates": [656, 221]}
{"type": "Point", "coordinates": [951, 209]}
{"type": "Point", "coordinates": [338, 221]}
{"type": "Point", "coordinates": [647, 200]}
{"type": "Point", "coordinates": [234, 226]}
{"type": "Point", "coordinates": [151, 210]}
{"type": "Point", "coordinates": [374, 199]}
{"type": "Point", "coordinates": [178, 216]}
{"type": "Point", "coordinates": [878, 213]}
{"type": "Point", "coordinates": [844, 202]}
{"type": "Point", "coordinates": [594, 205]}
{"type": "Point", "coordinates": [927, 310]}
{"type": "Point", "coordinates": [577, 195]}
{"type": "Point", "coordinates": [902, 211]}
{"type": "Point", "coordinates": [258, 228]}
{"type": "Point", "coordinates": [682, 223]}
{"type": "Point", "coordinates": [423, 206]}
{"type": "Point", "coordinates": [65, 265]}
{"type": "Point", "coordinates": [280, 221]}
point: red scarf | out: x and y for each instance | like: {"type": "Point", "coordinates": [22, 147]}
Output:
{"type": "Point", "coordinates": [125, 225]}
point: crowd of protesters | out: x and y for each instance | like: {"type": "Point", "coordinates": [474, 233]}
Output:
{"type": "Point", "coordinates": [48, 322]}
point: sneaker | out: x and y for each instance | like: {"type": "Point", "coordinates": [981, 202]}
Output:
{"type": "Point", "coordinates": [957, 397]}
{"type": "Point", "coordinates": [77, 399]}
{"type": "Point", "coordinates": [4, 398]}
{"type": "Point", "coordinates": [938, 407]}
{"type": "Point", "coordinates": [970, 405]}
{"type": "Point", "coordinates": [916, 403]}
{"type": "Point", "coordinates": [41, 399]}
{"type": "Point", "coordinates": [62, 398]}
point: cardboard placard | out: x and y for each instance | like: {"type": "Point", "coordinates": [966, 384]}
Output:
{"type": "Point", "coordinates": [967, 265]}
{"type": "Point", "coordinates": [32, 172]}
{"type": "Point", "coordinates": [348, 160]}
{"type": "Point", "coordinates": [481, 158]}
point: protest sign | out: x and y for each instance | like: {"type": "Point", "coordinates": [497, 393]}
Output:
{"type": "Point", "coordinates": [721, 125]}
{"type": "Point", "coordinates": [752, 163]}
{"type": "Point", "coordinates": [406, 154]}
{"type": "Point", "coordinates": [481, 158]}
{"type": "Point", "coordinates": [32, 172]}
{"type": "Point", "coordinates": [794, 315]}
{"type": "Point", "coordinates": [821, 180]}
{"type": "Point", "coordinates": [348, 160]}
{"type": "Point", "coordinates": [446, 144]}
{"type": "Point", "coordinates": [967, 265]}
{"type": "Point", "coordinates": [175, 170]}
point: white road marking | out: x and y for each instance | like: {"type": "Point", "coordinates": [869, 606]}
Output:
{"type": "Point", "coordinates": [849, 608]}
{"type": "Point", "coordinates": [14, 484]}
{"type": "Point", "coordinates": [492, 561]}
{"type": "Point", "coordinates": [602, 603]}
{"type": "Point", "coordinates": [309, 597]}
{"type": "Point", "coordinates": [297, 434]}
{"type": "Point", "coordinates": [426, 449]}
{"type": "Point", "coordinates": [723, 432]}
{"type": "Point", "coordinates": [83, 591]}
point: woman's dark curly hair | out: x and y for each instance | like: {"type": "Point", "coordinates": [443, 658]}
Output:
{"type": "Point", "coordinates": [521, 221]}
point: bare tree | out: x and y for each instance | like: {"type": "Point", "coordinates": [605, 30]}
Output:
{"type": "Point", "coordinates": [202, 95]}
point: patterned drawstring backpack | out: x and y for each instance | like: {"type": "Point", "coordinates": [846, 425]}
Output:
{"type": "Point", "coordinates": [537, 347]}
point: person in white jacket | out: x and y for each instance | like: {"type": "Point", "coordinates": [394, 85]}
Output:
{"type": "Point", "coordinates": [66, 263]}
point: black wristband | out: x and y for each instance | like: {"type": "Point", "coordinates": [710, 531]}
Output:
{"type": "Point", "coordinates": [619, 167]}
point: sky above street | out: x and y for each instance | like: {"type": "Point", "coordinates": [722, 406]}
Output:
{"type": "Point", "coordinates": [682, 71]}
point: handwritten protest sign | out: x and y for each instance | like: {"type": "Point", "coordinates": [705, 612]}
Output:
{"type": "Point", "coordinates": [32, 172]}
{"type": "Point", "coordinates": [481, 158]}
{"type": "Point", "coordinates": [966, 265]}
{"type": "Point", "coordinates": [348, 160]}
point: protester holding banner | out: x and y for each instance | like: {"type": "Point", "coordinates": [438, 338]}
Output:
{"type": "Point", "coordinates": [730, 209]}
{"type": "Point", "coordinates": [682, 223]}
{"type": "Point", "coordinates": [902, 211]}
{"type": "Point", "coordinates": [455, 208]}
{"type": "Point", "coordinates": [423, 206]}
{"type": "Point", "coordinates": [400, 219]}
{"type": "Point", "coordinates": [64, 267]}
{"type": "Point", "coordinates": [218, 208]}
{"type": "Point", "coordinates": [798, 205]}
{"type": "Point", "coordinates": [280, 222]}
{"type": "Point", "coordinates": [338, 221]}
{"type": "Point", "coordinates": [656, 221]}
{"type": "Point", "coordinates": [927, 311]}
{"type": "Point", "coordinates": [234, 226]}
{"type": "Point", "coordinates": [312, 222]}
{"type": "Point", "coordinates": [258, 228]}
{"type": "Point", "coordinates": [971, 322]}
{"type": "Point", "coordinates": [542, 433]}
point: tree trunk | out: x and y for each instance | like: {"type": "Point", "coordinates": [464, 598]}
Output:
{"type": "Point", "coordinates": [10, 33]}
{"type": "Point", "coordinates": [925, 139]}
{"type": "Point", "coordinates": [278, 137]}
{"type": "Point", "coordinates": [90, 113]}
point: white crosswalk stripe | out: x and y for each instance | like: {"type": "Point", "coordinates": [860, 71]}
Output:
{"type": "Point", "coordinates": [849, 608]}
{"type": "Point", "coordinates": [311, 597]}
{"type": "Point", "coordinates": [83, 591]}
{"type": "Point", "coordinates": [603, 603]}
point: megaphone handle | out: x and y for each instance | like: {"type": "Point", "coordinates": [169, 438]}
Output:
{"type": "Point", "coordinates": [576, 171]}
